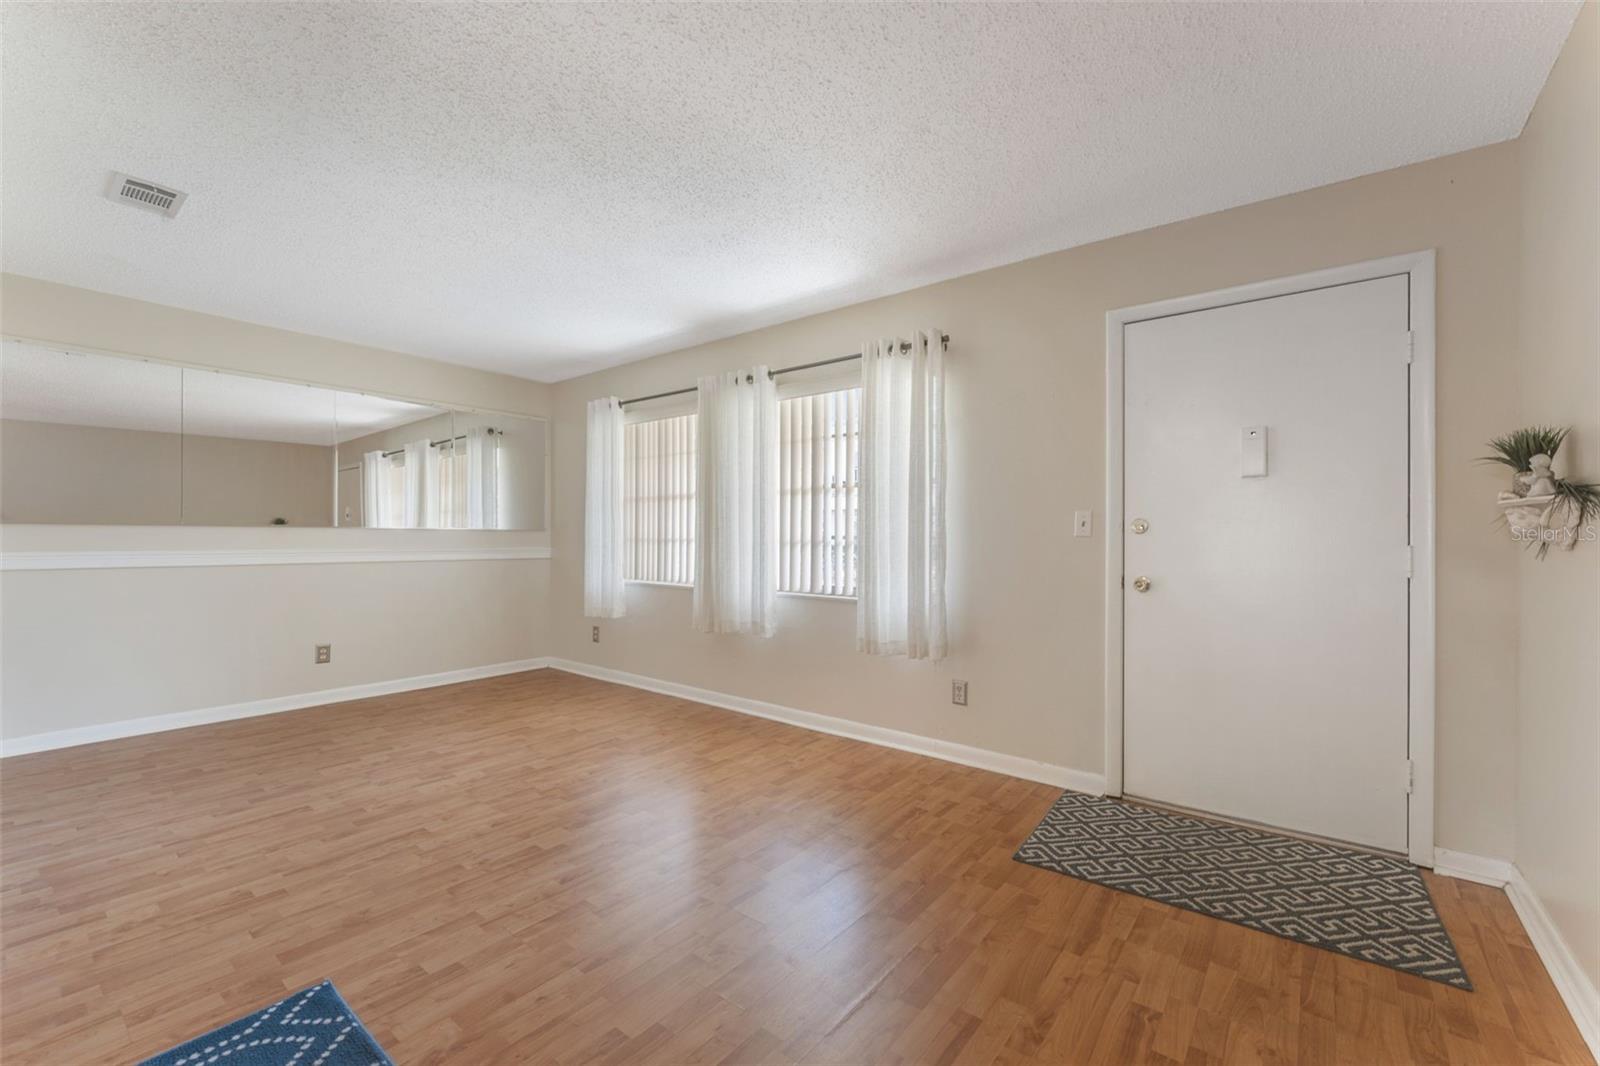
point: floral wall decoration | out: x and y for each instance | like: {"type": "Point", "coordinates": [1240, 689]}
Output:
{"type": "Point", "coordinates": [1541, 509]}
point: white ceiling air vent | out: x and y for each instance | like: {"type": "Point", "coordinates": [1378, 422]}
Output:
{"type": "Point", "coordinates": [136, 192]}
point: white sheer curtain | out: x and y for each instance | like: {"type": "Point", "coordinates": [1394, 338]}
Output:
{"type": "Point", "coordinates": [377, 511]}
{"type": "Point", "coordinates": [461, 489]}
{"type": "Point", "coordinates": [446, 503]}
{"type": "Point", "coordinates": [900, 608]}
{"type": "Point", "coordinates": [736, 504]}
{"type": "Point", "coordinates": [483, 478]}
{"type": "Point", "coordinates": [418, 476]}
{"type": "Point", "coordinates": [603, 592]}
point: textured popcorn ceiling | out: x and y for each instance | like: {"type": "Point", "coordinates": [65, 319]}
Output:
{"type": "Point", "coordinates": [547, 190]}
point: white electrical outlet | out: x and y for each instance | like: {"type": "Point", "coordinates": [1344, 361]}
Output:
{"type": "Point", "coordinates": [958, 693]}
{"type": "Point", "coordinates": [1082, 523]}
{"type": "Point", "coordinates": [594, 635]}
{"type": "Point", "coordinates": [324, 654]}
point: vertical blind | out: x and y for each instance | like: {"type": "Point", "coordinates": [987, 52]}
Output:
{"type": "Point", "coordinates": [658, 500]}
{"type": "Point", "coordinates": [819, 490]}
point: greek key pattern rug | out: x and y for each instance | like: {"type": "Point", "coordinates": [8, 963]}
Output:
{"type": "Point", "coordinates": [1366, 906]}
{"type": "Point", "coordinates": [313, 1027]}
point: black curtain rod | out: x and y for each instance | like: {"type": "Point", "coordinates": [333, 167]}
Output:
{"type": "Point", "coordinates": [905, 346]}
{"type": "Point", "coordinates": [447, 440]}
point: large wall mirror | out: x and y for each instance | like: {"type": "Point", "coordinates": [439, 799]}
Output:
{"type": "Point", "coordinates": [91, 439]}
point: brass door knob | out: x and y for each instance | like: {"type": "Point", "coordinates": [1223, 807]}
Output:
{"type": "Point", "coordinates": [1141, 584]}
{"type": "Point", "coordinates": [1139, 525]}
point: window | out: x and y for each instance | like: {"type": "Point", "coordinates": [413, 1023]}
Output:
{"type": "Point", "coordinates": [819, 479]}
{"type": "Point", "coordinates": [658, 500]}
{"type": "Point", "coordinates": [819, 492]}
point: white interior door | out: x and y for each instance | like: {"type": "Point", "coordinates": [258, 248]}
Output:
{"type": "Point", "coordinates": [1265, 669]}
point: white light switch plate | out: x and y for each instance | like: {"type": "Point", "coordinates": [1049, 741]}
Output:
{"type": "Point", "coordinates": [1082, 523]}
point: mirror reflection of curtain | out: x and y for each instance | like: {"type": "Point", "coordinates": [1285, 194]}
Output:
{"type": "Point", "coordinates": [454, 484]}
{"type": "Point", "coordinates": [377, 505]}
{"type": "Point", "coordinates": [447, 502]}
{"type": "Point", "coordinates": [465, 488]}
{"type": "Point", "coordinates": [482, 479]}
{"type": "Point", "coordinates": [414, 507]}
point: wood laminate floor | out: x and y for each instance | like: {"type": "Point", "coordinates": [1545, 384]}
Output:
{"type": "Point", "coordinates": [544, 868]}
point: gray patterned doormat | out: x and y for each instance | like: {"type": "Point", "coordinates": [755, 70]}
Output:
{"type": "Point", "coordinates": [1369, 907]}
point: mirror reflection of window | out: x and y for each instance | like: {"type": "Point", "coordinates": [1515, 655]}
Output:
{"type": "Point", "coordinates": [388, 467]}
{"type": "Point", "coordinates": [413, 466]}
{"type": "Point", "coordinates": [466, 479]}
{"type": "Point", "coordinates": [88, 439]}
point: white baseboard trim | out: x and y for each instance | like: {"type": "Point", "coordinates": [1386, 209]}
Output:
{"type": "Point", "coordinates": [1496, 872]}
{"type": "Point", "coordinates": [160, 723]}
{"type": "Point", "coordinates": [1577, 990]}
{"type": "Point", "coordinates": [982, 758]}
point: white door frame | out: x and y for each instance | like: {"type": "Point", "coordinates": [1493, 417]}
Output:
{"type": "Point", "coordinates": [1420, 268]}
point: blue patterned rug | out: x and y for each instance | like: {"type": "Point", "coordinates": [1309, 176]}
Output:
{"type": "Point", "coordinates": [1370, 907]}
{"type": "Point", "coordinates": [309, 1028]}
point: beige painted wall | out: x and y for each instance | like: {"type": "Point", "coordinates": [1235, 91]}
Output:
{"type": "Point", "coordinates": [87, 647]}
{"type": "Point", "coordinates": [89, 474]}
{"type": "Point", "coordinates": [93, 475]}
{"type": "Point", "coordinates": [1026, 428]}
{"type": "Point", "coordinates": [1557, 362]}
{"type": "Point", "coordinates": [232, 482]}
